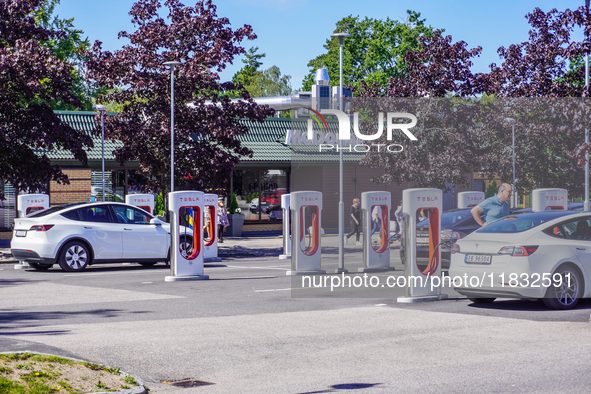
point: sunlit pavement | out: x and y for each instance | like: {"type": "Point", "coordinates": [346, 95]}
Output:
{"type": "Point", "coordinates": [245, 330]}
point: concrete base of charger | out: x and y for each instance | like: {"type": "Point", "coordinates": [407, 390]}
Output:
{"type": "Point", "coordinates": [188, 277]}
{"type": "Point", "coordinates": [410, 300]}
{"type": "Point", "coordinates": [315, 272]}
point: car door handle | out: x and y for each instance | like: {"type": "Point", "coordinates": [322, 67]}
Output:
{"type": "Point", "coordinates": [128, 229]}
{"type": "Point", "coordinates": [88, 227]}
{"type": "Point", "coordinates": [581, 248]}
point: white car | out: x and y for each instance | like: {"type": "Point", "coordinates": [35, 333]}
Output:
{"type": "Point", "coordinates": [543, 255]}
{"type": "Point", "coordinates": [77, 235]}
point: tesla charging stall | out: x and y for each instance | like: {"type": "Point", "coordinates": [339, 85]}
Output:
{"type": "Point", "coordinates": [210, 242]}
{"type": "Point", "coordinates": [423, 279]}
{"type": "Point", "coordinates": [285, 202]}
{"type": "Point", "coordinates": [376, 235]}
{"type": "Point", "coordinates": [29, 203]}
{"type": "Point", "coordinates": [143, 201]}
{"type": "Point", "coordinates": [306, 209]}
{"type": "Point", "coordinates": [470, 199]}
{"type": "Point", "coordinates": [186, 249]}
{"type": "Point", "coordinates": [546, 199]}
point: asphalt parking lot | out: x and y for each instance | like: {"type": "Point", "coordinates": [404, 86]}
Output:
{"type": "Point", "coordinates": [245, 330]}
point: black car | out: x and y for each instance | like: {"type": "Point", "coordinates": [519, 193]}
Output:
{"type": "Point", "coordinates": [455, 224]}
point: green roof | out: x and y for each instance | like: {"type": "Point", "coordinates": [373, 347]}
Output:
{"type": "Point", "coordinates": [266, 140]}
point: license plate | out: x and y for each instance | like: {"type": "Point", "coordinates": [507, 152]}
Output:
{"type": "Point", "coordinates": [478, 258]}
{"type": "Point", "coordinates": [422, 240]}
{"type": "Point", "coordinates": [20, 233]}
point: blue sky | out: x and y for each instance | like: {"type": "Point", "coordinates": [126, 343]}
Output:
{"type": "Point", "coordinates": [292, 32]}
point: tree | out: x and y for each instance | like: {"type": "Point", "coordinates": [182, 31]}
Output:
{"type": "Point", "coordinates": [31, 77]}
{"type": "Point", "coordinates": [436, 80]}
{"type": "Point", "coordinates": [550, 139]}
{"type": "Point", "coordinates": [68, 46]}
{"type": "Point", "coordinates": [373, 54]}
{"type": "Point", "coordinates": [206, 143]}
{"type": "Point", "coordinates": [267, 83]}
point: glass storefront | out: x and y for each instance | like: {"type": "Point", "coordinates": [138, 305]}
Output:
{"type": "Point", "coordinates": [259, 193]}
{"type": "Point", "coordinates": [7, 206]}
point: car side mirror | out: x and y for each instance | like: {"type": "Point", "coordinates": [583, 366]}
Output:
{"type": "Point", "coordinates": [156, 222]}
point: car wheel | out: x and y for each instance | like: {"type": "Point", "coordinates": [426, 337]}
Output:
{"type": "Point", "coordinates": [74, 256]}
{"type": "Point", "coordinates": [566, 292]}
{"type": "Point", "coordinates": [482, 300]}
{"type": "Point", "coordinates": [41, 267]}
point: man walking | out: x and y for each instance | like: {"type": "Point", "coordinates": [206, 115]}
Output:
{"type": "Point", "coordinates": [494, 207]}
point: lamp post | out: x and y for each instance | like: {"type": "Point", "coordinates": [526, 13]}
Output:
{"type": "Point", "coordinates": [512, 122]}
{"type": "Point", "coordinates": [341, 37]}
{"type": "Point", "coordinates": [171, 65]}
{"type": "Point", "coordinates": [101, 108]}
{"type": "Point", "coordinates": [586, 194]}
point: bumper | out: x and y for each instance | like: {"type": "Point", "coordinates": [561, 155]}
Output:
{"type": "Point", "coordinates": [30, 255]}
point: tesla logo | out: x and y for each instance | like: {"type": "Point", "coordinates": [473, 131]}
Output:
{"type": "Point", "coordinates": [476, 245]}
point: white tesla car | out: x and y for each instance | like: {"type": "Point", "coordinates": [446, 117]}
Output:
{"type": "Point", "coordinates": [77, 235]}
{"type": "Point", "coordinates": [543, 255]}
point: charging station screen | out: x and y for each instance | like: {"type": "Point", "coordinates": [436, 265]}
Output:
{"type": "Point", "coordinates": [189, 232]}
{"type": "Point", "coordinates": [379, 227]}
{"type": "Point", "coordinates": [309, 230]}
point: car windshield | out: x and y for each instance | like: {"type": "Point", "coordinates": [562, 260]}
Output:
{"type": "Point", "coordinates": [449, 218]}
{"type": "Point", "coordinates": [522, 222]}
{"type": "Point", "coordinates": [48, 211]}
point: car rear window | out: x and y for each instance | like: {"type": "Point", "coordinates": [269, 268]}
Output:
{"type": "Point", "coordinates": [522, 222]}
{"type": "Point", "coordinates": [50, 210]}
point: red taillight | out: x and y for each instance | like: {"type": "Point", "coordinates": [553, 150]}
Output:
{"type": "Point", "coordinates": [518, 250]}
{"type": "Point", "coordinates": [455, 248]}
{"type": "Point", "coordinates": [44, 227]}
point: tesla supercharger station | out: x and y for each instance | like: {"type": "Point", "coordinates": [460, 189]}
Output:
{"type": "Point", "coordinates": [210, 243]}
{"type": "Point", "coordinates": [29, 203]}
{"type": "Point", "coordinates": [376, 246]}
{"type": "Point", "coordinates": [423, 278]}
{"type": "Point", "coordinates": [186, 231]}
{"type": "Point", "coordinates": [545, 199]}
{"type": "Point", "coordinates": [143, 201]}
{"type": "Point", "coordinates": [470, 199]}
{"type": "Point", "coordinates": [306, 256]}
{"type": "Point", "coordinates": [285, 207]}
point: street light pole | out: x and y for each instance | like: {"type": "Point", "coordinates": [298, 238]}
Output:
{"type": "Point", "coordinates": [171, 65]}
{"type": "Point", "coordinates": [512, 122]}
{"type": "Point", "coordinates": [101, 108]}
{"type": "Point", "coordinates": [586, 194]}
{"type": "Point", "coordinates": [341, 37]}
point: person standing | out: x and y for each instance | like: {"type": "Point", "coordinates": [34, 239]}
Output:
{"type": "Point", "coordinates": [494, 207]}
{"type": "Point", "coordinates": [355, 222]}
{"type": "Point", "coordinates": [221, 220]}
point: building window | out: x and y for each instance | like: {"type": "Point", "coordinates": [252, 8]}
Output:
{"type": "Point", "coordinates": [259, 193]}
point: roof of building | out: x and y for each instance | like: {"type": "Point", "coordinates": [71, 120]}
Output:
{"type": "Point", "coordinates": [266, 140]}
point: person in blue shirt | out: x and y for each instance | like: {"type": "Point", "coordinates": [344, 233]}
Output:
{"type": "Point", "coordinates": [494, 207]}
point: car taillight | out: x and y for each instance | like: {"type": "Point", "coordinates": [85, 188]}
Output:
{"type": "Point", "coordinates": [44, 227]}
{"type": "Point", "coordinates": [455, 248]}
{"type": "Point", "coordinates": [518, 250]}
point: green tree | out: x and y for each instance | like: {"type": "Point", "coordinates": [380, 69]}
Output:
{"type": "Point", "coordinates": [266, 83]}
{"type": "Point", "coordinates": [373, 54]}
{"type": "Point", "coordinates": [68, 46]}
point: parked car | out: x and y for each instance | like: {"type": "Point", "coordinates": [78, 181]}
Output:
{"type": "Point", "coordinates": [81, 234]}
{"type": "Point", "coordinates": [276, 214]}
{"type": "Point", "coordinates": [543, 255]}
{"type": "Point", "coordinates": [254, 206]}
